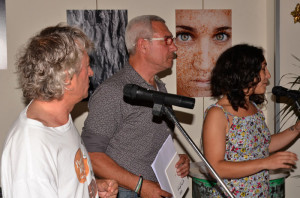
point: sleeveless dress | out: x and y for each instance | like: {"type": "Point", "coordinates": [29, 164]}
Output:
{"type": "Point", "coordinates": [247, 139]}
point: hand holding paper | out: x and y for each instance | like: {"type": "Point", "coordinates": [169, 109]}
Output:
{"type": "Point", "coordinates": [183, 165]}
{"type": "Point", "coordinates": [167, 165]}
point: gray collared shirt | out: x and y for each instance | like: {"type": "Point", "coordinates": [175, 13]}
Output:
{"type": "Point", "coordinates": [125, 131]}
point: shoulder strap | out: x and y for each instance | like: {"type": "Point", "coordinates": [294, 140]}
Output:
{"type": "Point", "coordinates": [258, 109]}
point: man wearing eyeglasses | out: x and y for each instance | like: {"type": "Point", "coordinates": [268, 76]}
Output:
{"type": "Point", "coordinates": [123, 137]}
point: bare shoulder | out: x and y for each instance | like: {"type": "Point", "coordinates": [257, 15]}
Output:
{"type": "Point", "coordinates": [215, 119]}
{"type": "Point", "coordinates": [215, 113]}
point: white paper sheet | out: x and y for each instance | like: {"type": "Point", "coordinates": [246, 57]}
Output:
{"type": "Point", "coordinates": [178, 185]}
{"type": "Point", "coordinates": [162, 163]}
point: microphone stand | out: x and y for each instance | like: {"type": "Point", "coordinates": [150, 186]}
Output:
{"type": "Point", "coordinates": [158, 110]}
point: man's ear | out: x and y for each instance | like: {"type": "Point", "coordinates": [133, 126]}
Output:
{"type": "Point", "coordinates": [142, 45]}
{"type": "Point", "coordinates": [68, 78]}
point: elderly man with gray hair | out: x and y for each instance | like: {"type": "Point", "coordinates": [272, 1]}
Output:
{"type": "Point", "coordinates": [44, 155]}
{"type": "Point", "coordinates": [121, 136]}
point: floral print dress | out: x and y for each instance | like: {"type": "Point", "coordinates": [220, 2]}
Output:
{"type": "Point", "coordinates": [247, 139]}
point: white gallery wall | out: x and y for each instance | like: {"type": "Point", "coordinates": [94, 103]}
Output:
{"type": "Point", "coordinates": [253, 22]}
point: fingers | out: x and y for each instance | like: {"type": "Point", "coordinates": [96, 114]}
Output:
{"type": "Point", "coordinates": [283, 159]}
{"type": "Point", "coordinates": [297, 125]}
{"type": "Point", "coordinates": [107, 188]}
{"type": "Point", "coordinates": [183, 165]}
{"type": "Point", "coordinates": [287, 155]}
{"type": "Point", "coordinates": [182, 159]}
{"type": "Point", "coordinates": [113, 188]}
{"type": "Point", "coordinates": [288, 159]}
{"type": "Point", "coordinates": [153, 190]}
{"type": "Point", "coordinates": [102, 185]}
{"type": "Point", "coordinates": [183, 170]}
{"type": "Point", "coordinates": [165, 194]}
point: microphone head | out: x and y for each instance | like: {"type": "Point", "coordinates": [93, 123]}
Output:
{"type": "Point", "coordinates": [279, 91]}
{"type": "Point", "coordinates": [135, 92]}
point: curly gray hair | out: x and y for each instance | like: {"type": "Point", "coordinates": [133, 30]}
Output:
{"type": "Point", "coordinates": [139, 27]}
{"type": "Point", "coordinates": [49, 59]}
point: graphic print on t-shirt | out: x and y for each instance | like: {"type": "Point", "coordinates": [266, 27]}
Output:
{"type": "Point", "coordinates": [83, 172]}
{"type": "Point", "coordinates": [81, 166]}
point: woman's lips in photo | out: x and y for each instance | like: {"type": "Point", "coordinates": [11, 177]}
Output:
{"type": "Point", "coordinates": [201, 82]}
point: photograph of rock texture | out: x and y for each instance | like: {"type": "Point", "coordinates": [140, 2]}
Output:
{"type": "Point", "coordinates": [106, 28]}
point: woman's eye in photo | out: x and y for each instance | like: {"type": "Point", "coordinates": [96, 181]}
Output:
{"type": "Point", "coordinates": [222, 36]}
{"type": "Point", "coordinates": [184, 36]}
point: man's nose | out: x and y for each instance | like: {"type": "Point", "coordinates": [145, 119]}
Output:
{"type": "Point", "coordinates": [173, 46]}
{"type": "Point", "coordinates": [90, 72]}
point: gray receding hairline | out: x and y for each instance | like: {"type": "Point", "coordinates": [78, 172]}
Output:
{"type": "Point", "coordinates": [139, 27]}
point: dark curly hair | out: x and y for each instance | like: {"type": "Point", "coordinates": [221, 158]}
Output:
{"type": "Point", "coordinates": [238, 69]}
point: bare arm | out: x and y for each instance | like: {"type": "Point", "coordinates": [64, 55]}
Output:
{"type": "Point", "coordinates": [282, 139]}
{"type": "Point", "coordinates": [214, 134]}
{"type": "Point", "coordinates": [105, 167]}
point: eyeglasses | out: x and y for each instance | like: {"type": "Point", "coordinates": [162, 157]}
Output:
{"type": "Point", "coordinates": [168, 40]}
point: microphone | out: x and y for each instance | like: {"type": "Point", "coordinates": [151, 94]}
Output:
{"type": "Point", "coordinates": [281, 91]}
{"type": "Point", "coordinates": [133, 91]}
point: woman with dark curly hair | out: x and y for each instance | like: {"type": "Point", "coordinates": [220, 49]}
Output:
{"type": "Point", "coordinates": [236, 140]}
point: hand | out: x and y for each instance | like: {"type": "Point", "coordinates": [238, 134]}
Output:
{"type": "Point", "coordinates": [296, 126]}
{"type": "Point", "coordinates": [183, 165]}
{"type": "Point", "coordinates": [107, 188]}
{"type": "Point", "coordinates": [284, 159]}
{"type": "Point", "coordinates": [153, 190]}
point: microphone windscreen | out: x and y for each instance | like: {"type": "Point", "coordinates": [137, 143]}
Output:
{"type": "Point", "coordinates": [130, 90]}
{"type": "Point", "coordinates": [279, 91]}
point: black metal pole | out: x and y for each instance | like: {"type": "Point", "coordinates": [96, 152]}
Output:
{"type": "Point", "coordinates": [168, 112]}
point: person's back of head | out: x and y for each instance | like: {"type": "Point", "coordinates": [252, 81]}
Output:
{"type": "Point", "coordinates": [49, 59]}
{"type": "Point", "coordinates": [139, 27]}
{"type": "Point", "coordinates": [237, 69]}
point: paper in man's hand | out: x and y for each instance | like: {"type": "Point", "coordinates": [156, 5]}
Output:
{"type": "Point", "coordinates": [165, 171]}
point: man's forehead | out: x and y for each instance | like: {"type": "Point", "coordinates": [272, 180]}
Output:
{"type": "Point", "coordinates": [160, 28]}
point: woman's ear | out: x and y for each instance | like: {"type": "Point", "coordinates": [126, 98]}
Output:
{"type": "Point", "coordinates": [248, 91]}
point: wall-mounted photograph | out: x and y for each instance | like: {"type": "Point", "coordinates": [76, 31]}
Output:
{"type": "Point", "coordinates": [106, 28]}
{"type": "Point", "coordinates": [201, 36]}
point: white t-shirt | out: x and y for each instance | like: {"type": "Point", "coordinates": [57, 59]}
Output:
{"type": "Point", "coordinates": [41, 162]}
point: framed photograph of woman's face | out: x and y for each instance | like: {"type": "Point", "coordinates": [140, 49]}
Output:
{"type": "Point", "coordinates": [106, 29]}
{"type": "Point", "coordinates": [201, 36]}
{"type": "Point", "coordinates": [3, 43]}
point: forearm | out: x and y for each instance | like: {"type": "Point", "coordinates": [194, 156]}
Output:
{"type": "Point", "coordinates": [283, 139]}
{"type": "Point", "coordinates": [233, 170]}
{"type": "Point", "coordinates": [277, 160]}
{"type": "Point", "coordinates": [105, 167]}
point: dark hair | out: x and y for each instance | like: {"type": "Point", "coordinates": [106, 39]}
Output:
{"type": "Point", "coordinates": [237, 69]}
